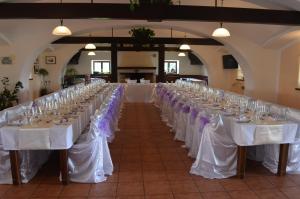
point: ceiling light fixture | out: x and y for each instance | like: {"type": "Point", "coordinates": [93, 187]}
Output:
{"type": "Point", "coordinates": [91, 53]}
{"type": "Point", "coordinates": [181, 54]}
{"type": "Point", "coordinates": [90, 46]}
{"type": "Point", "coordinates": [221, 31]}
{"type": "Point", "coordinates": [184, 46]}
{"type": "Point", "coordinates": [61, 30]}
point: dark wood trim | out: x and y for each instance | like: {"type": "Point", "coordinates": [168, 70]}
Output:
{"type": "Point", "coordinates": [114, 62]}
{"type": "Point", "coordinates": [63, 162]}
{"type": "Point", "coordinates": [241, 161]}
{"type": "Point", "coordinates": [283, 158]}
{"type": "Point", "coordinates": [130, 40]}
{"type": "Point", "coordinates": [134, 48]}
{"type": "Point", "coordinates": [15, 167]}
{"type": "Point", "coordinates": [149, 12]}
{"type": "Point", "coordinates": [136, 68]}
{"type": "Point", "coordinates": [161, 64]}
{"type": "Point", "coordinates": [298, 89]}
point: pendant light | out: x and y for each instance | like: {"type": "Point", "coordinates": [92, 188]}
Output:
{"type": "Point", "coordinates": [61, 30]}
{"type": "Point", "coordinates": [221, 31]}
{"type": "Point", "coordinates": [91, 53]}
{"type": "Point", "coordinates": [181, 54]}
{"type": "Point", "coordinates": [184, 46]}
{"type": "Point", "coordinates": [90, 46]}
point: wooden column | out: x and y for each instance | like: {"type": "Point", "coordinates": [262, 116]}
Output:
{"type": "Point", "coordinates": [283, 158]}
{"type": "Point", "coordinates": [15, 167]}
{"type": "Point", "coordinates": [241, 162]}
{"type": "Point", "coordinates": [114, 62]}
{"type": "Point", "coordinates": [161, 63]}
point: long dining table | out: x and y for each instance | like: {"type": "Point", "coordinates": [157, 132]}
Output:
{"type": "Point", "coordinates": [243, 133]}
{"type": "Point", "coordinates": [47, 134]}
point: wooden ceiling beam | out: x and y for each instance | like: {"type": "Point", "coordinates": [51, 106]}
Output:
{"type": "Point", "coordinates": [130, 40]}
{"type": "Point", "coordinates": [151, 13]}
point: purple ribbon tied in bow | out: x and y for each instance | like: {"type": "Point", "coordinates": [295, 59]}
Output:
{"type": "Point", "coordinates": [174, 102]}
{"type": "Point", "coordinates": [186, 109]}
{"type": "Point", "coordinates": [203, 121]}
{"type": "Point", "coordinates": [194, 113]}
{"type": "Point", "coordinates": [104, 127]}
{"type": "Point", "coordinates": [179, 107]}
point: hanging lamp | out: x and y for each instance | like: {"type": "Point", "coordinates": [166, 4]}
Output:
{"type": "Point", "coordinates": [221, 31]}
{"type": "Point", "coordinates": [90, 46]}
{"type": "Point", "coordinates": [184, 46]}
{"type": "Point", "coordinates": [91, 53]}
{"type": "Point", "coordinates": [181, 54]}
{"type": "Point", "coordinates": [61, 30]}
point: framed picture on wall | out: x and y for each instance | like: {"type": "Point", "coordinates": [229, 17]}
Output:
{"type": "Point", "coordinates": [50, 60]}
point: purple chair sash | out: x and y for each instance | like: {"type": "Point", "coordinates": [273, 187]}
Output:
{"type": "Point", "coordinates": [194, 114]}
{"type": "Point", "coordinates": [203, 121]}
{"type": "Point", "coordinates": [186, 109]}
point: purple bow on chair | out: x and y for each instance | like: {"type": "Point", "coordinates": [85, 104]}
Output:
{"type": "Point", "coordinates": [174, 102]}
{"type": "Point", "coordinates": [203, 121]}
{"type": "Point", "coordinates": [186, 109]}
{"type": "Point", "coordinates": [179, 107]}
{"type": "Point", "coordinates": [194, 113]}
{"type": "Point", "coordinates": [104, 127]}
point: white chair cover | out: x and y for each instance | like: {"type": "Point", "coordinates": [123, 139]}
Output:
{"type": "Point", "coordinates": [217, 152]}
{"type": "Point", "coordinates": [272, 151]}
{"type": "Point", "coordinates": [89, 159]}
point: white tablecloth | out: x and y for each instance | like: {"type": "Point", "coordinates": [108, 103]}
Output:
{"type": "Point", "coordinates": [48, 135]}
{"type": "Point", "coordinates": [139, 92]}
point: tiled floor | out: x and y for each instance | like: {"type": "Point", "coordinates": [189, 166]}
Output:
{"type": "Point", "coordinates": [149, 164]}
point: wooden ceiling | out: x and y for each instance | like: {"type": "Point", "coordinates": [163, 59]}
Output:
{"type": "Point", "coordinates": [151, 13]}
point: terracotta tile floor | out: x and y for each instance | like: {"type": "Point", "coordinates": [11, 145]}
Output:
{"type": "Point", "coordinates": [149, 164]}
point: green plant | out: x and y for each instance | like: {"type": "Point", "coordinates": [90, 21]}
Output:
{"type": "Point", "coordinates": [7, 97]}
{"type": "Point", "coordinates": [136, 3]}
{"type": "Point", "coordinates": [43, 73]}
{"type": "Point", "coordinates": [142, 34]}
{"type": "Point", "coordinates": [71, 72]}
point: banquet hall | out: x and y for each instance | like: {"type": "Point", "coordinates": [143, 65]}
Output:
{"type": "Point", "coordinates": [162, 99]}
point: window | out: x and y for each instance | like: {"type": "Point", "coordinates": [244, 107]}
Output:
{"type": "Point", "coordinates": [172, 66]}
{"type": "Point", "coordinates": [100, 66]}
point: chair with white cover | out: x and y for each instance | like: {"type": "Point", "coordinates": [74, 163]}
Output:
{"type": "Point", "coordinates": [202, 119]}
{"type": "Point", "coordinates": [271, 157]}
{"type": "Point", "coordinates": [89, 159]}
{"type": "Point", "coordinates": [217, 152]}
{"type": "Point", "coordinates": [30, 161]}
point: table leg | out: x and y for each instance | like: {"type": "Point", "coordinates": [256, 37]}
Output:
{"type": "Point", "coordinates": [63, 161]}
{"type": "Point", "coordinates": [283, 158]}
{"type": "Point", "coordinates": [15, 167]}
{"type": "Point", "coordinates": [241, 162]}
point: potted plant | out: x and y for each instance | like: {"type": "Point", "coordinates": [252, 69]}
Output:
{"type": "Point", "coordinates": [70, 76]}
{"type": "Point", "coordinates": [141, 35]}
{"type": "Point", "coordinates": [43, 73]}
{"type": "Point", "coordinates": [9, 98]}
{"type": "Point", "coordinates": [136, 3]}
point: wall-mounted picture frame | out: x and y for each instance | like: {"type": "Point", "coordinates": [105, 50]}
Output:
{"type": "Point", "coordinates": [6, 60]}
{"type": "Point", "coordinates": [50, 60]}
